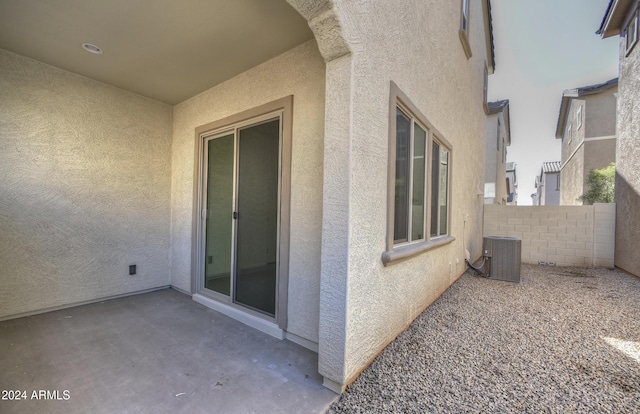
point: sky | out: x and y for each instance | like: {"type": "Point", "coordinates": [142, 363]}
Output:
{"type": "Point", "coordinates": [543, 47]}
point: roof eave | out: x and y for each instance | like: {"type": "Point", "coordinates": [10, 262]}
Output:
{"type": "Point", "coordinates": [614, 18]}
{"type": "Point", "coordinates": [507, 123]}
{"type": "Point", "coordinates": [569, 94]}
{"type": "Point", "coordinates": [595, 89]}
{"type": "Point", "coordinates": [488, 34]}
{"type": "Point", "coordinates": [562, 116]}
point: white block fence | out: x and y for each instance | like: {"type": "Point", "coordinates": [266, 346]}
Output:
{"type": "Point", "coordinates": [560, 235]}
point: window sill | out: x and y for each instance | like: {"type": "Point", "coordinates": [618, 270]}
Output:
{"type": "Point", "coordinates": [404, 252]}
{"type": "Point", "coordinates": [464, 39]}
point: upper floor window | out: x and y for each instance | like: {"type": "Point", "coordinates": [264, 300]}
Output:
{"type": "Point", "coordinates": [631, 33]}
{"type": "Point", "coordinates": [464, 27]}
{"type": "Point", "coordinates": [579, 118]}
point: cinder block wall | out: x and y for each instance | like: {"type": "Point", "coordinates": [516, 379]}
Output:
{"type": "Point", "coordinates": [562, 235]}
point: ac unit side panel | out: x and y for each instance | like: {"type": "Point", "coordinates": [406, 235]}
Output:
{"type": "Point", "coordinates": [505, 260]}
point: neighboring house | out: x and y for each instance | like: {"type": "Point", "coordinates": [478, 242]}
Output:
{"type": "Point", "coordinates": [319, 184]}
{"type": "Point", "coordinates": [496, 187]}
{"type": "Point", "coordinates": [534, 196]}
{"type": "Point", "coordinates": [621, 18]}
{"type": "Point", "coordinates": [587, 127]}
{"type": "Point", "coordinates": [512, 183]}
{"type": "Point", "coordinates": [548, 185]}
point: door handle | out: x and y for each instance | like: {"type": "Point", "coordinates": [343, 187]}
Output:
{"type": "Point", "coordinates": [235, 215]}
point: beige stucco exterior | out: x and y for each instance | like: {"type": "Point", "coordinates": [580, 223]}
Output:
{"type": "Point", "coordinates": [299, 72]}
{"type": "Point", "coordinates": [496, 189]}
{"type": "Point", "coordinates": [627, 196]}
{"type": "Point", "coordinates": [627, 162]}
{"type": "Point", "coordinates": [123, 166]}
{"type": "Point", "coordinates": [547, 188]}
{"type": "Point", "coordinates": [86, 176]}
{"type": "Point", "coordinates": [363, 304]}
{"type": "Point", "coordinates": [588, 141]}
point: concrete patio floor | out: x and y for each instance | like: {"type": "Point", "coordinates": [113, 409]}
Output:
{"type": "Point", "coordinates": [158, 352]}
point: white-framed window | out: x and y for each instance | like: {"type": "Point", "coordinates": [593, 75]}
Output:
{"type": "Point", "coordinates": [419, 182]}
{"type": "Point", "coordinates": [631, 33]}
{"type": "Point", "coordinates": [464, 27]}
{"type": "Point", "coordinates": [579, 118]}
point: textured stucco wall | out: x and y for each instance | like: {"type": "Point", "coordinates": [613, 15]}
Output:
{"type": "Point", "coordinates": [299, 72]}
{"type": "Point", "coordinates": [551, 195]}
{"type": "Point", "coordinates": [85, 188]}
{"type": "Point", "coordinates": [583, 154]}
{"type": "Point", "coordinates": [600, 114]}
{"type": "Point", "coordinates": [491, 153]}
{"type": "Point", "coordinates": [495, 166]}
{"type": "Point", "coordinates": [572, 179]}
{"type": "Point", "coordinates": [627, 162]}
{"type": "Point", "coordinates": [571, 174]}
{"type": "Point", "coordinates": [598, 154]}
{"type": "Point", "coordinates": [416, 45]}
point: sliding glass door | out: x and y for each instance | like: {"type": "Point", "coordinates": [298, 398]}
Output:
{"type": "Point", "coordinates": [241, 199]}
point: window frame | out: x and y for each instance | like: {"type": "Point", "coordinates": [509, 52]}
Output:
{"type": "Point", "coordinates": [485, 90]}
{"type": "Point", "coordinates": [401, 250]}
{"type": "Point", "coordinates": [284, 108]}
{"type": "Point", "coordinates": [579, 118]}
{"type": "Point", "coordinates": [633, 22]}
{"type": "Point", "coordinates": [463, 31]}
{"type": "Point", "coordinates": [410, 179]}
{"type": "Point", "coordinates": [437, 179]}
{"type": "Point", "coordinates": [498, 135]}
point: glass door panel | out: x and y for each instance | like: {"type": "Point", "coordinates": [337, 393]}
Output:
{"type": "Point", "coordinates": [219, 223]}
{"type": "Point", "coordinates": [257, 216]}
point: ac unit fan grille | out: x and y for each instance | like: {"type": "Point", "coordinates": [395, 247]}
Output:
{"type": "Point", "coordinates": [505, 260]}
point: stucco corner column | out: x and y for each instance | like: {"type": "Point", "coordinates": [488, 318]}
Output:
{"type": "Point", "coordinates": [324, 21]}
{"type": "Point", "coordinates": [335, 224]}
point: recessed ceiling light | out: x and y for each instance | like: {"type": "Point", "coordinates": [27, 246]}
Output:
{"type": "Point", "coordinates": [92, 48]}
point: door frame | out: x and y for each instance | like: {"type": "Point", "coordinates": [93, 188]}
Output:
{"type": "Point", "coordinates": [283, 107]}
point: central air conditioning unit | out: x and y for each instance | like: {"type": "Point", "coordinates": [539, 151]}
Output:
{"type": "Point", "coordinates": [502, 258]}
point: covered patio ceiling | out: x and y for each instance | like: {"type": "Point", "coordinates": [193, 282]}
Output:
{"type": "Point", "coordinates": [167, 50]}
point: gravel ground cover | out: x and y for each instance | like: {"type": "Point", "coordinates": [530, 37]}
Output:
{"type": "Point", "coordinates": [564, 340]}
